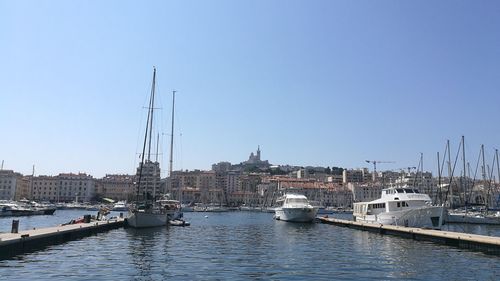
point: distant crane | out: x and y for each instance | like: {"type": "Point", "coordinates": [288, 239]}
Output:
{"type": "Point", "coordinates": [374, 162]}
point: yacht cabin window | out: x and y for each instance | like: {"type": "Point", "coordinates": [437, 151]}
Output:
{"type": "Point", "coordinates": [378, 206]}
{"type": "Point", "coordinates": [296, 200]}
{"type": "Point", "coordinates": [402, 204]}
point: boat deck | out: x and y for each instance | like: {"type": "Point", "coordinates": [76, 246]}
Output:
{"type": "Point", "coordinates": [30, 240]}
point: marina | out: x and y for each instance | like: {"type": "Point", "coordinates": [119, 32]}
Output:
{"type": "Point", "coordinates": [249, 140]}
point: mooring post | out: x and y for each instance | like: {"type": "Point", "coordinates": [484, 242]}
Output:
{"type": "Point", "coordinates": [15, 226]}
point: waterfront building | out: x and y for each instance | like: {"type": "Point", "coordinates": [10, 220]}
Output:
{"type": "Point", "coordinates": [116, 187]}
{"type": "Point", "coordinates": [23, 188]}
{"type": "Point", "coordinates": [190, 195]}
{"type": "Point", "coordinates": [190, 181]}
{"type": "Point", "coordinates": [10, 183]}
{"type": "Point", "coordinates": [245, 192]}
{"type": "Point", "coordinates": [65, 187]}
{"type": "Point", "coordinates": [322, 193]}
{"type": "Point", "coordinates": [76, 187]}
{"type": "Point", "coordinates": [47, 188]}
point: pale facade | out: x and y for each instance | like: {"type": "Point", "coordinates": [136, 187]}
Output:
{"type": "Point", "coordinates": [9, 181]}
{"type": "Point", "coordinates": [116, 187]}
{"type": "Point", "coordinates": [365, 192]}
{"type": "Point", "coordinates": [23, 188]}
{"type": "Point", "coordinates": [356, 176]}
{"type": "Point", "coordinates": [203, 182]}
{"type": "Point", "coordinates": [46, 188]}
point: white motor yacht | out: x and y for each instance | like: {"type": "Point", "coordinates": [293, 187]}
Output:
{"type": "Point", "coordinates": [120, 206]}
{"type": "Point", "coordinates": [401, 206]}
{"type": "Point", "coordinates": [295, 208]}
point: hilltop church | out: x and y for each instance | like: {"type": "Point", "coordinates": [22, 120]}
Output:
{"type": "Point", "coordinates": [254, 160]}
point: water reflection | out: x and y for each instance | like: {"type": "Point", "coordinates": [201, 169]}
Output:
{"type": "Point", "coordinates": [146, 248]}
{"type": "Point", "coordinates": [249, 246]}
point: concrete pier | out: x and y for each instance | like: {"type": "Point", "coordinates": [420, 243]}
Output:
{"type": "Point", "coordinates": [30, 240]}
{"type": "Point", "coordinates": [488, 244]}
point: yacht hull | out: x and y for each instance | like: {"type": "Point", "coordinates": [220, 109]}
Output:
{"type": "Point", "coordinates": [429, 217]}
{"type": "Point", "coordinates": [306, 214]}
{"type": "Point", "coordinates": [144, 219]}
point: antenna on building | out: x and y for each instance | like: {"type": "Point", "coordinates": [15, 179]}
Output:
{"type": "Point", "coordinates": [1, 168]}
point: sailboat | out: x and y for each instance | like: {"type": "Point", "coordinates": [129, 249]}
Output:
{"type": "Point", "coordinates": [147, 212]}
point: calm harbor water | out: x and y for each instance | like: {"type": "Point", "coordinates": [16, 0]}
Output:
{"type": "Point", "coordinates": [244, 246]}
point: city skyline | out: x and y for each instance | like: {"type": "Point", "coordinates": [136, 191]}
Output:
{"type": "Point", "coordinates": [316, 84]}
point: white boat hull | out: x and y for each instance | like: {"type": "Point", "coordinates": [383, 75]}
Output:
{"type": "Point", "coordinates": [305, 214]}
{"type": "Point", "coordinates": [429, 216]}
{"type": "Point", "coordinates": [143, 219]}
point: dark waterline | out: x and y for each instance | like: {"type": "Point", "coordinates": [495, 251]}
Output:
{"type": "Point", "coordinates": [243, 246]}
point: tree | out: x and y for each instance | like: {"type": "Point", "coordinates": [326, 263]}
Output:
{"type": "Point", "coordinates": [328, 170]}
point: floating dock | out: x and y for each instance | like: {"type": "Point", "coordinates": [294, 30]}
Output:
{"type": "Point", "coordinates": [30, 240]}
{"type": "Point", "coordinates": [488, 244]}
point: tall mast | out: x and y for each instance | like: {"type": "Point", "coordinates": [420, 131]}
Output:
{"type": "Point", "coordinates": [172, 143]}
{"type": "Point", "coordinates": [465, 173]}
{"type": "Point", "coordinates": [498, 167]}
{"type": "Point", "coordinates": [157, 145]}
{"type": "Point", "coordinates": [151, 100]}
{"type": "Point", "coordinates": [422, 171]}
{"type": "Point", "coordinates": [450, 186]}
{"type": "Point", "coordinates": [438, 191]}
{"type": "Point", "coordinates": [151, 109]}
{"type": "Point", "coordinates": [484, 165]}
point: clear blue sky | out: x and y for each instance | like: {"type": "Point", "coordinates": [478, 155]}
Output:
{"type": "Point", "coordinates": [329, 83]}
